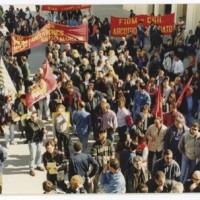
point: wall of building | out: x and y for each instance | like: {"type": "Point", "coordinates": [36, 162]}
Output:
{"type": "Point", "coordinates": [192, 12]}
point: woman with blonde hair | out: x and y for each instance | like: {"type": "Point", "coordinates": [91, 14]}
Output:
{"type": "Point", "coordinates": [76, 185]}
{"type": "Point", "coordinates": [76, 57]}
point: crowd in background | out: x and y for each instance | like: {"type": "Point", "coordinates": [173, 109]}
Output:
{"type": "Point", "coordinates": [109, 87]}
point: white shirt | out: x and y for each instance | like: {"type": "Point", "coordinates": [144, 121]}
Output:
{"type": "Point", "coordinates": [121, 115]}
{"type": "Point", "coordinates": [178, 67]}
{"type": "Point", "coordinates": [4, 30]}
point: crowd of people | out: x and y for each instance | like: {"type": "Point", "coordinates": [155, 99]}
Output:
{"type": "Point", "coordinates": [107, 89]}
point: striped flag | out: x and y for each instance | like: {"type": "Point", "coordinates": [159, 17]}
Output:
{"type": "Point", "coordinates": [6, 82]}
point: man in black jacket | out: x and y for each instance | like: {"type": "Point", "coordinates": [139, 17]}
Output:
{"type": "Point", "coordinates": [79, 164]}
{"type": "Point", "coordinates": [168, 165]}
{"type": "Point", "coordinates": [159, 184]}
{"type": "Point", "coordinates": [35, 131]}
{"type": "Point", "coordinates": [135, 175]}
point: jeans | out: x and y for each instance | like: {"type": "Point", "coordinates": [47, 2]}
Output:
{"type": "Point", "coordinates": [189, 119]}
{"type": "Point", "coordinates": [44, 106]}
{"type": "Point", "coordinates": [187, 167]}
{"type": "Point", "coordinates": [84, 140]}
{"type": "Point", "coordinates": [110, 134]}
{"type": "Point", "coordinates": [9, 134]}
{"type": "Point", "coordinates": [64, 141]}
{"type": "Point", "coordinates": [35, 154]}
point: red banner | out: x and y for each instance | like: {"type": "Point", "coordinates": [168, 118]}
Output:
{"type": "Point", "coordinates": [64, 7]}
{"type": "Point", "coordinates": [46, 86]}
{"type": "Point", "coordinates": [51, 31]}
{"type": "Point", "coordinates": [120, 27]}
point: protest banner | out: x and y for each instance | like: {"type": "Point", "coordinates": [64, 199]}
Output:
{"type": "Point", "coordinates": [120, 26]}
{"type": "Point", "coordinates": [51, 31]}
{"type": "Point", "coordinates": [64, 7]}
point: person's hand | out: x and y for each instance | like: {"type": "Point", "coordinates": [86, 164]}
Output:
{"type": "Point", "coordinates": [160, 188]}
{"type": "Point", "coordinates": [193, 186]}
{"type": "Point", "coordinates": [48, 168]}
{"type": "Point", "coordinates": [90, 179]}
{"type": "Point", "coordinates": [106, 168]}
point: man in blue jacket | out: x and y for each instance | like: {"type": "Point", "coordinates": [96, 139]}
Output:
{"type": "Point", "coordinates": [79, 164]}
{"type": "Point", "coordinates": [83, 124]}
{"type": "Point", "coordinates": [112, 179]}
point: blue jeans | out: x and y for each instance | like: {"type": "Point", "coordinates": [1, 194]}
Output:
{"type": "Point", "coordinates": [9, 134]}
{"type": "Point", "coordinates": [44, 106]}
{"type": "Point", "coordinates": [187, 167]}
{"type": "Point", "coordinates": [189, 119]}
{"type": "Point", "coordinates": [35, 154]}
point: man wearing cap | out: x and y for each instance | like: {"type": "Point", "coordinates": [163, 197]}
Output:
{"type": "Point", "coordinates": [112, 179]}
{"type": "Point", "coordinates": [188, 146]}
{"type": "Point", "coordinates": [135, 175]}
{"type": "Point", "coordinates": [172, 138]}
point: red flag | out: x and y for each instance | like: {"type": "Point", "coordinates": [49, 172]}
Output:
{"type": "Point", "coordinates": [49, 78]}
{"type": "Point", "coordinates": [65, 7]}
{"type": "Point", "coordinates": [40, 90]}
{"type": "Point", "coordinates": [183, 92]}
{"type": "Point", "coordinates": [158, 107]}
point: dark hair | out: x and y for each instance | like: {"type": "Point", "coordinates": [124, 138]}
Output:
{"type": "Point", "coordinates": [142, 86]}
{"type": "Point", "coordinates": [114, 163]}
{"type": "Point", "coordinates": [102, 131]}
{"type": "Point", "coordinates": [195, 124]}
{"type": "Point", "coordinates": [48, 186]}
{"type": "Point", "coordinates": [50, 142]}
{"type": "Point", "coordinates": [81, 104]}
{"type": "Point", "coordinates": [133, 146]}
{"type": "Point", "coordinates": [167, 152]}
{"type": "Point", "coordinates": [78, 146]}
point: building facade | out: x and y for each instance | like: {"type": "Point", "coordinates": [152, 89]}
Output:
{"type": "Point", "coordinates": [189, 12]}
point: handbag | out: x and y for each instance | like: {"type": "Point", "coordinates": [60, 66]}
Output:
{"type": "Point", "coordinates": [129, 120]}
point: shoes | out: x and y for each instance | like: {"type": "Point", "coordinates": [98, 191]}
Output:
{"type": "Point", "coordinates": [40, 168]}
{"type": "Point", "coordinates": [13, 142]}
{"type": "Point", "coordinates": [32, 172]}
